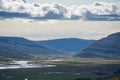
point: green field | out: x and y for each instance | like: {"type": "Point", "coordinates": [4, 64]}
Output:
{"type": "Point", "coordinates": [77, 69]}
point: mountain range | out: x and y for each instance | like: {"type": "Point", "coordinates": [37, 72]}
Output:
{"type": "Point", "coordinates": [67, 45]}
{"type": "Point", "coordinates": [17, 47]}
{"type": "Point", "coordinates": [21, 48]}
{"type": "Point", "coordinates": [108, 47]}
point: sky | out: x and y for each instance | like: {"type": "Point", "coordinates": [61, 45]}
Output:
{"type": "Point", "coordinates": [53, 19]}
{"type": "Point", "coordinates": [72, 2]}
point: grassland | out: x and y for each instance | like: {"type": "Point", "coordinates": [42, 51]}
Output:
{"type": "Point", "coordinates": [68, 69]}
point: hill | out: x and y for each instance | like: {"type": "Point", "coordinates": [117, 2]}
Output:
{"type": "Point", "coordinates": [16, 47]}
{"type": "Point", "coordinates": [108, 47]}
{"type": "Point", "coordinates": [67, 45]}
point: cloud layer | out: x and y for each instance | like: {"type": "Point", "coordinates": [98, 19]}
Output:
{"type": "Point", "coordinates": [98, 11]}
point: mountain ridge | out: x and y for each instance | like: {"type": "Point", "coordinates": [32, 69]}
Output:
{"type": "Point", "coordinates": [108, 47]}
{"type": "Point", "coordinates": [19, 47]}
{"type": "Point", "coordinates": [70, 45]}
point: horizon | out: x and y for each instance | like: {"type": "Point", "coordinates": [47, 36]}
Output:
{"type": "Point", "coordinates": [46, 39]}
{"type": "Point", "coordinates": [56, 38]}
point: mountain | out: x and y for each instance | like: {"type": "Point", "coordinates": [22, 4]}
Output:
{"type": "Point", "coordinates": [71, 45]}
{"type": "Point", "coordinates": [16, 47]}
{"type": "Point", "coordinates": [108, 47]}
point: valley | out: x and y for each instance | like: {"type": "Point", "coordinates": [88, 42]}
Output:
{"type": "Point", "coordinates": [59, 39]}
{"type": "Point", "coordinates": [61, 59]}
{"type": "Point", "coordinates": [69, 69]}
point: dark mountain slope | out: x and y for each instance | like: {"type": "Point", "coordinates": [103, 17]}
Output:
{"type": "Point", "coordinates": [9, 53]}
{"type": "Point", "coordinates": [20, 47]}
{"type": "Point", "coordinates": [108, 47]}
{"type": "Point", "coordinates": [67, 45]}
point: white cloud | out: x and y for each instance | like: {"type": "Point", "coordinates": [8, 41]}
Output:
{"type": "Point", "coordinates": [98, 11]}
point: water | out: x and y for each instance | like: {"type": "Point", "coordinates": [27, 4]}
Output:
{"type": "Point", "coordinates": [23, 64]}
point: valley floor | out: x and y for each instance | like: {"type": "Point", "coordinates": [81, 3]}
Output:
{"type": "Point", "coordinates": [76, 69]}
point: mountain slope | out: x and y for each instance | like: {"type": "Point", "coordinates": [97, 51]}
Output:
{"type": "Point", "coordinates": [72, 45]}
{"type": "Point", "coordinates": [21, 48]}
{"type": "Point", "coordinates": [108, 47]}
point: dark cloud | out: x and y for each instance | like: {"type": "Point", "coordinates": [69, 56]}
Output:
{"type": "Point", "coordinates": [25, 1]}
{"type": "Point", "coordinates": [4, 14]}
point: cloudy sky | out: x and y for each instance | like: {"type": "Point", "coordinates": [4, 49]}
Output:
{"type": "Point", "coordinates": [72, 2]}
{"type": "Point", "coordinates": [52, 19]}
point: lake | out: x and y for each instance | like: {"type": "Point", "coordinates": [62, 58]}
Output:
{"type": "Point", "coordinates": [23, 64]}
